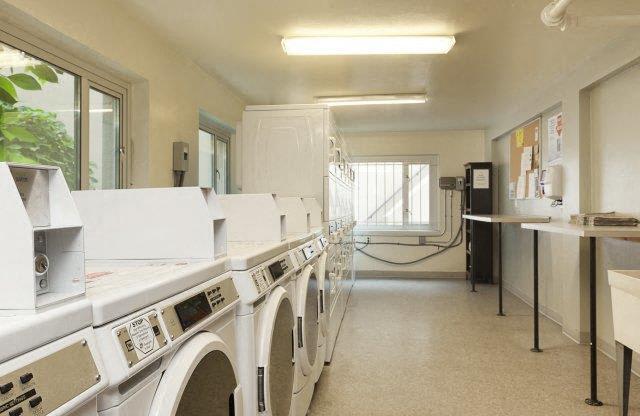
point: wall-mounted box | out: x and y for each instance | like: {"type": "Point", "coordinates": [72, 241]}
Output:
{"type": "Point", "coordinates": [253, 218]}
{"type": "Point", "coordinates": [152, 224]}
{"type": "Point", "coordinates": [42, 245]}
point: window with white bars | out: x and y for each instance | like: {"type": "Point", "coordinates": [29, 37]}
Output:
{"type": "Point", "coordinates": [396, 194]}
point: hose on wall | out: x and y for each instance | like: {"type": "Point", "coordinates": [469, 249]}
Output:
{"type": "Point", "coordinates": [441, 246]}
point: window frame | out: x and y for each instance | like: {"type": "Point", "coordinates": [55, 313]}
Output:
{"type": "Point", "coordinates": [434, 201]}
{"type": "Point", "coordinates": [222, 136]}
{"type": "Point", "coordinates": [90, 77]}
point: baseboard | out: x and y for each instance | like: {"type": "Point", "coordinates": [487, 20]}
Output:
{"type": "Point", "coordinates": [548, 312]}
{"type": "Point", "coordinates": [582, 338]}
{"type": "Point", "coordinates": [405, 274]}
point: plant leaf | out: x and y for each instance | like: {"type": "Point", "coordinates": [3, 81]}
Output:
{"type": "Point", "coordinates": [45, 72]}
{"type": "Point", "coordinates": [2, 152]}
{"type": "Point", "coordinates": [25, 81]}
{"type": "Point", "coordinates": [18, 158]}
{"type": "Point", "coordinates": [7, 91]}
{"type": "Point", "coordinates": [10, 117]}
{"type": "Point", "coordinates": [17, 132]}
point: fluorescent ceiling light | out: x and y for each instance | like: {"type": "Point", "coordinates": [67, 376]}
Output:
{"type": "Point", "coordinates": [373, 99]}
{"type": "Point", "coordinates": [368, 45]}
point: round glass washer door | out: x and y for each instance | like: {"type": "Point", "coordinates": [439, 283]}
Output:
{"type": "Point", "coordinates": [307, 316]}
{"type": "Point", "coordinates": [200, 380]}
{"type": "Point", "coordinates": [275, 354]}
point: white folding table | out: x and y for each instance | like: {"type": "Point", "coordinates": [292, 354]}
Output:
{"type": "Point", "coordinates": [503, 219]}
{"type": "Point", "coordinates": [592, 233]}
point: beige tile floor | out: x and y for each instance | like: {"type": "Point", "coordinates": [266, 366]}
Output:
{"type": "Point", "coordinates": [430, 347]}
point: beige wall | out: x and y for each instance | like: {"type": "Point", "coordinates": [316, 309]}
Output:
{"type": "Point", "coordinates": [168, 90]}
{"type": "Point", "coordinates": [517, 244]}
{"type": "Point", "coordinates": [615, 176]}
{"type": "Point", "coordinates": [454, 148]}
{"type": "Point", "coordinates": [598, 102]}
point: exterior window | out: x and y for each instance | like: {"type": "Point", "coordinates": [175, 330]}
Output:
{"type": "Point", "coordinates": [53, 112]}
{"type": "Point", "coordinates": [206, 142]}
{"type": "Point", "coordinates": [104, 140]}
{"type": "Point", "coordinates": [213, 160]}
{"type": "Point", "coordinates": [396, 194]}
{"type": "Point", "coordinates": [39, 113]}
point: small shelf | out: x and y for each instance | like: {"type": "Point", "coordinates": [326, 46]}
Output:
{"type": "Point", "coordinates": [479, 236]}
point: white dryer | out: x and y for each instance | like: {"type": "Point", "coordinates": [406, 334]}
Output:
{"type": "Point", "coordinates": [49, 362]}
{"type": "Point", "coordinates": [167, 332]}
{"type": "Point", "coordinates": [265, 324]}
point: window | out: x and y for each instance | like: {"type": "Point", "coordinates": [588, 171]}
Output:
{"type": "Point", "coordinates": [213, 160]}
{"type": "Point", "coordinates": [104, 139]}
{"type": "Point", "coordinates": [393, 193]}
{"type": "Point", "coordinates": [53, 112]}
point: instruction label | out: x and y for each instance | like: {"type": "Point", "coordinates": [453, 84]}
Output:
{"type": "Point", "coordinates": [481, 179]}
{"type": "Point", "coordinates": [143, 337]}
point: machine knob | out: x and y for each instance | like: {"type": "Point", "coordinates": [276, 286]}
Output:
{"type": "Point", "coordinates": [16, 412]}
{"type": "Point", "coordinates": [25, 378]}
{"type": "Point", "coordinates": [6, 388]}
{"type": "Point", "coordinates": [35, 401]}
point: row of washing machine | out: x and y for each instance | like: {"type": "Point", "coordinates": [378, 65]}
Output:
{"type": "Point", "coordinates": [159, 301]}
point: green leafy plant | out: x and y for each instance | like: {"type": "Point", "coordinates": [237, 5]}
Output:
{"type": "Point", "coordinates": [32, 135]}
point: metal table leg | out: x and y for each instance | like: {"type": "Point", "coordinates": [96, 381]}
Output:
{"type": "Point", "coordinates": [536, 328]}
{"type": "Point", "coordinates": [500, 312]}
{"type": "Point", "coordinates": [623, 362]}
{"type": "Point", "coordinates": [593, 399]}
{"type": "Point", "coordinates": [473, 274]}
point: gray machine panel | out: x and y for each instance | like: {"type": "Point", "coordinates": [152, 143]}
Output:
{"type": "Point", "coordinates": [46, 384]}
{"type": "Point", "coordinates": [140, 337]}
{"type": "Point", "coordinates": [181, 316]}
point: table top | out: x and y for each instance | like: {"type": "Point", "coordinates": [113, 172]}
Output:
{"type": "Point", "coordinates": [585, 230]}
{"type": "Point", "coordinates": [510, 219]}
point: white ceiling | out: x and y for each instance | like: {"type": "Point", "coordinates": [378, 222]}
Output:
{"type": "Point", "coordinates": [503, 53]}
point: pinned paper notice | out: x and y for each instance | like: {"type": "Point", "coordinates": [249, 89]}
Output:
{"type": "Point", "coordinates": [525, 160]}
{"type": "Point", "coordinates": [519, 137]}
{"type": "Point", "coordinates": [537, 133]}
{"type": "Point", "coordinates": [521, 187]}
{"type": "Point", "coordinates": [531, 186]}
{"type": "Point", "coordinates": [512, 190]}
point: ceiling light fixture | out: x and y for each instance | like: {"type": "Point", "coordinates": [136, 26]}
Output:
{"type": "Point", "coordinates": [368, 45]}
{"type": "Point", "coordinates": [373, 99]}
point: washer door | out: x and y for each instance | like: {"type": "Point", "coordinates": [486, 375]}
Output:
{"type": "Point", "coordinates": [200, 380]}
{"type": "Point", "coordinates": [321, 270]}
{"type": "Point", "coordinates": [275, 354]}
{"type": "Point", "coordinates": [307, 333]}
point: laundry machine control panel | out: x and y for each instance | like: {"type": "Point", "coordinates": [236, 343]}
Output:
{"type": "Point", "coordinates": [280, 267]}
{"type": "Point", "coordinates": [140, 337]}
{"type": "Point", "coordinates": [307, 253]}
{"type": "Point", "coordinates": [47, 383]}
{"type": "Point", "coordinates": [184, 314]}
{"type": "Point", "coordinates": [260, 279]}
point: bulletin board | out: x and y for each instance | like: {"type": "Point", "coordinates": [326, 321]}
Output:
{"type": "Point", "coordinates": [524, 164]}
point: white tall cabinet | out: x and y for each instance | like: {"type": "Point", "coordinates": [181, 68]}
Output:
{"type": "Point", "coordinates": [297, 150]}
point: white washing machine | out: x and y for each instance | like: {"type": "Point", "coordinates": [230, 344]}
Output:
{"type": "Point", "coordinates": [167, 335]}
{"type": "Point", "coordinates": [309, 313]}
{"type": "Point", "coordinates": [265, 325]}
{"type": "Point", "coordinates": [49, 362]}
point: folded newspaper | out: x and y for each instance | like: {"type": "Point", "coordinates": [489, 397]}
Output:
{"type": "Point", "coordinates": [604, 219]}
